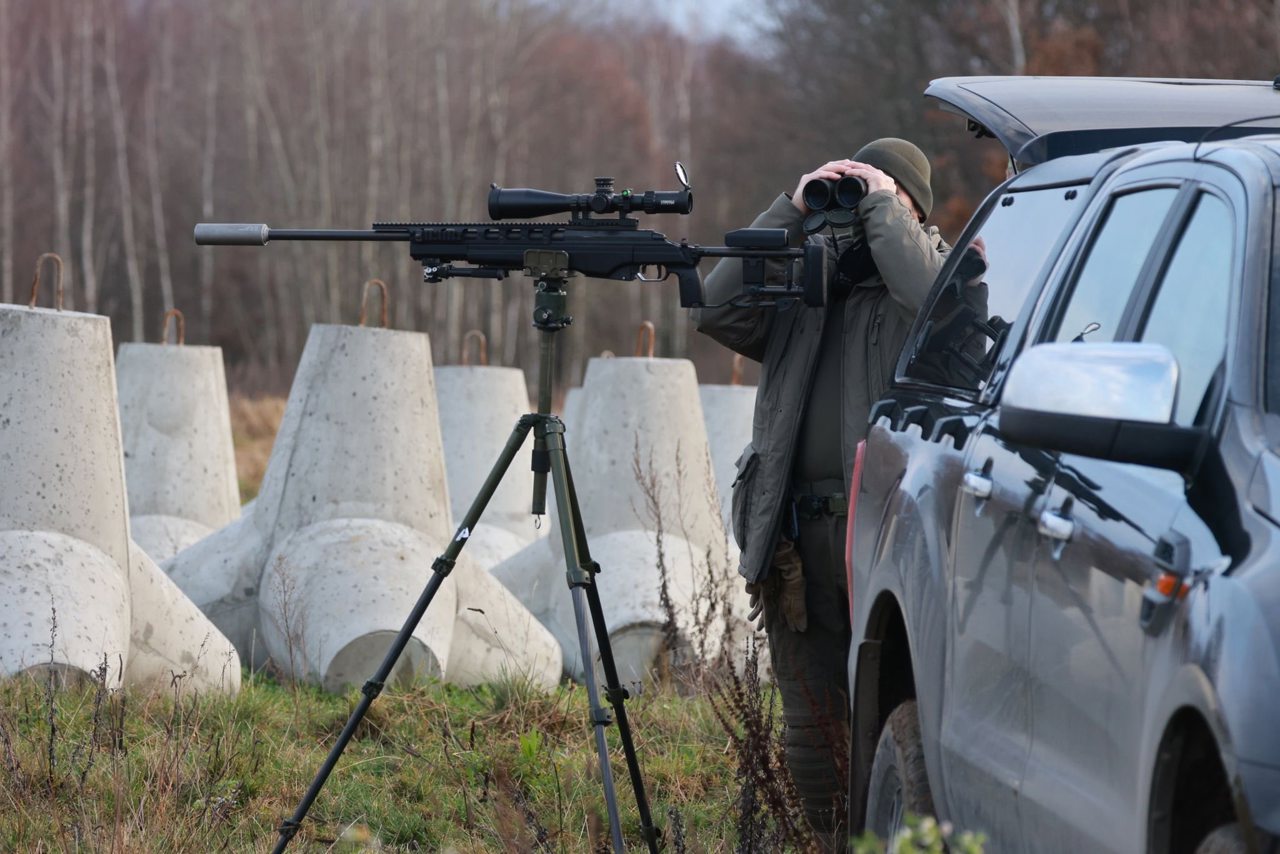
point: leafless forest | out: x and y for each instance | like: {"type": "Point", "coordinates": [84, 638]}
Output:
{"type": "Point", "coordinates": [124, 122]}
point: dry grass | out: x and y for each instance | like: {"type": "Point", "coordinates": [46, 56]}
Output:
{"type": "Point", "coordinates": [254, 422]}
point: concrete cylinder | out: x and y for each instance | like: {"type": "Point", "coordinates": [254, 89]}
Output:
{"type": "Point", "coordinates": [221, 574]}
{"type": "Point", "coordinates": [479, 407]}
{"type": "Point", "coordinates": [335, 594]}
{"type": "Point", "coordinates": [533, 575]}
{"type": "Point", "coordinates": [643, 464]}
{"type": "Point", "coordinates": [496, 637]}
{"type": "Point", "coordinates": [162, 537]}
{"type": "Point", "coordinates": [64, 606]}
{"type": "Point", "coordinates": [171, 639]}
{"type": "Point", "coordinates": [633, 584]}
{"type": "Point", "coordinates": [176, 424]}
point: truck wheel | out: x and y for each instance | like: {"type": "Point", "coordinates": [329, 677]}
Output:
{"type": "Point", "coordinates": [899, 783]}
{"type": "Point", "coordinates": [1228, 839]}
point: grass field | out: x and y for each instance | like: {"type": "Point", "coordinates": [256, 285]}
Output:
{"type": "Point", "coordinates": [504, 767]}
{"type": "Point", "coordinates": [434, 768]}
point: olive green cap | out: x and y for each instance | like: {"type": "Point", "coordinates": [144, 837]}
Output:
{"type": "Point", "coordinates": [903, 162]}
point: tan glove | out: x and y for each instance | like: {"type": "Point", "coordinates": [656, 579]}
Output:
{"type": "Point", "coordinates": [789, 573]}
{"type": "Point", "coordinates": [755, 590]}
{"type": "Point", "coordinates": [786, 582]}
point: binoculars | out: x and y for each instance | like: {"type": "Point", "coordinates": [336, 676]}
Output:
{"type": "Point", "coordinates": [824, 194]}
{"type": "Point", "coordinates": [832, 203]}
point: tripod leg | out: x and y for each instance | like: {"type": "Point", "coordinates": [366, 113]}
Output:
{"type": "Point", "coordinates": [440, 569]}
{"type": "Point", "coordinates": [582, 586]}
{"type": "Point", "coordinates": [616, 694]}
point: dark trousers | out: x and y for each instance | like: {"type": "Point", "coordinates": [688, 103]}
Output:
{"type": "Point", "coordinates": [810, 670]}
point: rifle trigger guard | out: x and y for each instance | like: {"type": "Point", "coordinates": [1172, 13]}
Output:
{"type": "Point", "coordinates": [661, 270]}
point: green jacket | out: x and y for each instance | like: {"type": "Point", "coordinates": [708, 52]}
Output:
{"type": "Point", "coordinates": [877, 317]}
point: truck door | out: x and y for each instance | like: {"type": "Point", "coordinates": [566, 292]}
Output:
{"type": "Point", "coordinates": [983, 718]}
{"type": "Point", "coordinates": [1084, 784]}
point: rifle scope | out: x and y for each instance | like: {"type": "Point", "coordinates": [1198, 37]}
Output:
{"type": "Point", "coordinates": [523, 203]}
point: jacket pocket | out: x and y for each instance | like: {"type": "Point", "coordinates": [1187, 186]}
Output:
{"type": "Point", "coordinates": [740, 501]}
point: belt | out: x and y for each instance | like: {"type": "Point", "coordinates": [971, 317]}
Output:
{"type": "Point", "coordinates": [815, 499]}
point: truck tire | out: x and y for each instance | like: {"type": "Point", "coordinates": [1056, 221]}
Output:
{"type": "Point", "coordinates": [899, 783]}
{"type": "Point", "coordinates": [1227, 839]}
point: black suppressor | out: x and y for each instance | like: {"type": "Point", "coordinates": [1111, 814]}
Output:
{"type": "Point", "coordinates": [824, 194]}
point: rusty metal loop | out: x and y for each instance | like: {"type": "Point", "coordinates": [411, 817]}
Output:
{"type": "Point", "coordinates": [483, 350]}
{"type": "Point", "coordinates": [35, 280]}
{"type": "Point", "coordinates": [735, 378]}
{"type": "Point", "coordinates": [364, 301]}
{"type": "Point", "coordinates": [174, 314]}
{"type": "Point", "coordinates": [646, 328]}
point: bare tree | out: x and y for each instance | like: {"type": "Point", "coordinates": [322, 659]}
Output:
{"type": "Point", "coordinates": [124, 181]}
{"type": "Point", "coordinates": [88, 195]}
{"type": "Point", "coordinates": [208, 163]}
{"type": "Point", "coordinates": [7, 241]}
{"type": "Point", "coordinates": [59, 102]}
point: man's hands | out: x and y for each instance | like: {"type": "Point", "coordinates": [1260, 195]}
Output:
{"type": "Point", "coordinates": [786, 582]}
{"type": "Point", "coordinates": [837, 169]}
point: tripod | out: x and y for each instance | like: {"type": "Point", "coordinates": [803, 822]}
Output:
{"type": "Point", "coordinates": [550, 270]}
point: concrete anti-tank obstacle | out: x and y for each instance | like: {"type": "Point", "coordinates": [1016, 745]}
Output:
{"type": "Point", "coordinates": [641, 457]}
{"type": "Point", "coordinates": [322, 571]}
{"type": "Point", "coordinates": [728, 411]}
{"type": "Point", "coordinates": [496, 636]}
{"type": "Point", "coordinates": [479, 407]}
{"type": "Point", "coordinates": [352, 509]}
{"type": "Point", "coordinates": [179, 461]}
{"type": "Point", "coordinates": [75, 593]}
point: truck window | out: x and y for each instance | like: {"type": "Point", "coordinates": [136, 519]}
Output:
{"type": "Point", "coordinates": [1116, 257]}
{"type": "Point", "coordinates": [1189, 313]}
{"type": "Point", "coordinates": [970, 316]}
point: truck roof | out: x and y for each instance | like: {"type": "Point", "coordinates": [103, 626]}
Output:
{"type": "Point", "coordinates": [1042, 118]}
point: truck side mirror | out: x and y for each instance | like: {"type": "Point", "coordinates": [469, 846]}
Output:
{"type": "Point", "coordinates": [1112, 401]}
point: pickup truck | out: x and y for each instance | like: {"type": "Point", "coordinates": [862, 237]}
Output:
{"type": "Point", "coordinates": [1064, 532]}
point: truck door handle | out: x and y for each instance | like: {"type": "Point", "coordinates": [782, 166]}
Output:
{"type": "Point", "coordinates": [976, 484]}
{"type": "Point", "coordinates": [1055, 527]}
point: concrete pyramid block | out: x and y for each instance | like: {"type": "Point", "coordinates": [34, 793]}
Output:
{"type": "Point", "coordinates": [179, 460]}
{"type": "Point", "coordinates": [479, 406]}
{"type": "Point", "coordinates": [354, 504]}
{"type": "Point", "coordinates": [320, 573]}
{"type": "Point", "coordinates": [65, 550]}
{"type": "Point", "coordinates": [642, 465]}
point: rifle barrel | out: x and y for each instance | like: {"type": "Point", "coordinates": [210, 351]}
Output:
{"type": "Point", "coordinates": [258, 234]}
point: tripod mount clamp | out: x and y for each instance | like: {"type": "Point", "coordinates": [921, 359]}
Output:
{"type": "Point", "coordinates": [550, 267]}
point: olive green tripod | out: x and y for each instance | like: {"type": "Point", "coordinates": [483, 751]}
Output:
{"type": "Point", "coordinates": [550, 270]}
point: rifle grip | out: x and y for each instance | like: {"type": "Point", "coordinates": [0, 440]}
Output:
{"type": "Point", "coordinates": [690, 286]}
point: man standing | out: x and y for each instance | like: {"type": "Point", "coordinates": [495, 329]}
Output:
{"type": "Point", "coordinates": [821, 371]}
